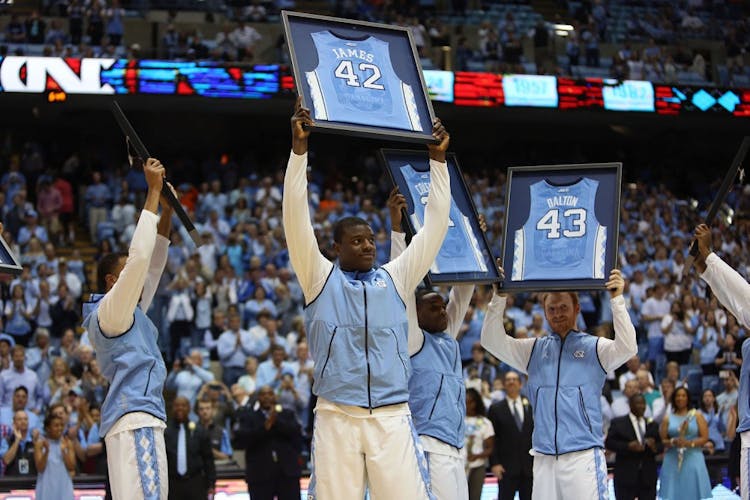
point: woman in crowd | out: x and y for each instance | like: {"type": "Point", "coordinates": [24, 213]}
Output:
{"type": "Point", "coordinates": [59, 383]}
{"type": "Point", "coordinates": [684, 475]}
{"type": "Point", "coordinates": [94, 383]}
{"type": "Point", "coordinates": [678, 331]}
{"type": "Point", "coordinates": [259, 302]}
{"type": "Point", "coordinates": [709, 339]}
{"type": "Point", "coordinates": [716, 432]}
{"type": "Point", "coordinates": [18, 316]}
{"type": "Point", "coordinates": [55, 461]}
{"type": "Point", "coordinates": [480, 438]}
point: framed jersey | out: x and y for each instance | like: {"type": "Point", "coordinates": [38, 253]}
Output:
{"type": "Point", "coordinates": [359, 78]}
{"type": "Point", "coordinates": [465, 256]}
{"type": "Point", "coordinates": [9, 263]}
{"type": "Point", "coordinates": [561, 226]}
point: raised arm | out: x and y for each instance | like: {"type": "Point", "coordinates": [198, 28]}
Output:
{"type": "Point", "coordinates": [727, 284]}
{"type": "Point", "coordinates": [115, 312]}
{"type": "Point", "coordinates": [410, 267]}
{"type": "Point", "coordinates": [515, 352]}
{"type": "Point", "coordinates": [613, 353]}
{"type": "Point", "coordinates": [311, 267]}
{"type": "Point", "coordinates": [159, 256]}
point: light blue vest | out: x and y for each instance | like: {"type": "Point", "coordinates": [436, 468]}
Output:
{"type": "Point", "coordinates": [133, 365]}
{"type": "Point", "coordinates": [357, 330]}
{"type": "Point", "coordinates": [743, 400]}
{"type": "Point", "coordinates": [565, 385]}
{"type": "Point", "coordinates": [437, 394]}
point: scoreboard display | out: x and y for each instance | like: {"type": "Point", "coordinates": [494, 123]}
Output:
{"type": "Point", "coordinates": [58, 78]}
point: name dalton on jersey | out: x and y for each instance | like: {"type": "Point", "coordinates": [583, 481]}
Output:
{"type": "Point", "coordinates": [561, 238]}
{"type": "Point", "coordinates": [355, 82]}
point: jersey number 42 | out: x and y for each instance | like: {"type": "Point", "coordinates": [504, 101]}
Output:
{"type": "Point", "coordinates": [371, 75]}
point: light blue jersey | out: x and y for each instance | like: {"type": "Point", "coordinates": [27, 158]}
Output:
{"type": "Point", "coordinates": [561, 238]}
{"type": "Point", "coordinates": [460, 252]}
{"type": "Point", "coordinates": [355, 82]}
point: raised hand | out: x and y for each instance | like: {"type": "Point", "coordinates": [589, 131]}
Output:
{"type": "Point", "coordinates": [616, 283]}
{"type": "Point", "coordinates": [155, 173]}
{"type": "Point", "coordinates": [396, 203]}
{"type": "Point", "coordinates": [301, 122]}
{"type": "Point", "coordinates": [437, 151]}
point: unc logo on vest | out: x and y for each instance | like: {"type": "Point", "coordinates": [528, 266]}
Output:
{"type": "Point", "coordinates": [379, 282]}
{"type": "Point", "coordinates": [579, 354]}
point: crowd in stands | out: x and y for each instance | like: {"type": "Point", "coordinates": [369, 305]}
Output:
{"type": "Point", "coordinates": [606, 38]}
{"type": "Point", "coordinates": [229, 311]}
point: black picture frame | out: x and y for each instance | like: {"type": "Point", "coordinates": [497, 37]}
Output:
{"type": "Point", "coordinates": [363, 114]}
{"type": "Point", "coordinates": [457, 251]}
{"type": "Point", "coordinates": [559, 261]}
{"type": "Point", "coordinates": [9, 263]}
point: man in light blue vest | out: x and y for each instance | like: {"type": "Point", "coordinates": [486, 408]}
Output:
{"type": "Point", "coordinates": [357, 330]}
{"type": "Point", "coordinates": [437, 394]}
{"type": "Point", "coordinates": [567, 370]}
{"type": "Point", "coordinates": [734, 293]}
{"type": "Point", "coordinates": [133, 414]}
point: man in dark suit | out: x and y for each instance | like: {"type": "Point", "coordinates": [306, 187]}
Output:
{"type": "Point", "coordinates": [636, 443]}
{"type": "Point", "coordinates": [272, 439]}
{"type": "Point", "coordinates": [192, 474]}
{"type": "Point", "coordinates": [512, 419]}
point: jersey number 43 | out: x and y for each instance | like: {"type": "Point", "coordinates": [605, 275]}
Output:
{"type": "Point", "coordinates": [550, 222]}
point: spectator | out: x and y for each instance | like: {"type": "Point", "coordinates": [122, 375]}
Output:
{"type": "Point", "coordinates": [115, 28]}
{"type": "Point", "coordinates": [97, 194]}
{"type": "Point", "coordinates": [636, 442]}
{"type": "Point", "coordinates": [654, 309]}
{"type": "Point", "coordinates": [234, 346]}
{"type": "Point", "coordinates": [180, 316]}
{"type": "Point", "coordinates": [55, 461]}
{"type": "Point", "coordinates": [15, 31]}
{"type": "Point", "coordinates": [633, 365]}
{"type": "Point", "coordinates": [94, 384]}
{"type": "Point", "coordinates": [6, 343]}
{"type": "Point", "coordinates": [714, 422]}
{"type": "Point", "coordinates": [55, 35]}
{"type": "Point", "coordinates": [76, 12]}
{"type": "Point", "coordinates": [192, 473]}
{"type": "Point", "coordinates": [68, 346]}
{"type": "Point", "coordinates": [683, 471]}
{"type": "Point", "coordinates": [20, 402]}
{"type": "Point", "coordinates": [86, 440]}
{"type": "Point", "coordinates": [32, 229]}
{"type": "Point", "coordinates": [709, 337]}
{"type": "Point", "coordinates": [65, 315]}
{"type": "Point", "coordinates": [17, 449]}
{"type": "Point", "coordinates": [95, 28]}
{"type": "Point", "coordinates": [258, 303]}
{"type": "Point", "coordinates": [728, 397]}
{"type": "Point", "coordinates": [291, 398]}
{"type": "Point", "coordinates": [677, 330]}
{"type": "Point", "coordinates": [621, 405]}
{"type": "Point", "coordinates": [485, 371]}
{"type": "Point", "coordinates": [41, 307]}
{"type": "Point", "coordinates": [59, 382]}
{"type": "Point", "coordinates": [654, 399]}
{"type": "Point", "coordinates": [729, 357]}
{"type": "Point", "coordinates": [74, 285]}
{"type": "Point", "coordinates": [248, 381]}
{"type": "Point", "coordinates": [480, 438]}
{"type": "Point", "coordinates": [18, 316]}
{"type": "Point", "coordinates": [188, 376]}
{"type": "Point", "coordinates": [39, 358]}
{"type": "Point", "coordinates": [272, 440]}
{"type": "Point", "coordinates": [255, 12]}
{"type": "Point", "coordinates": [221, 446]}
{"type": "Point", "coordinates": [271, 371]}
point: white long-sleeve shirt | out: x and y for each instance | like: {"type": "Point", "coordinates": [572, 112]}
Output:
{"type": "Point", "coordinates": [147, 257]}
{"type": "Point", "coordinates": [517, 352]}
{"type": "Point", "coordinates": [312, 268]}
{"type": "Point", "coordinates": [729, 287]}
{"type": "Point", "coordinates": [458, 302]}
{"type": "Point", "coordinates": [137, 282]}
